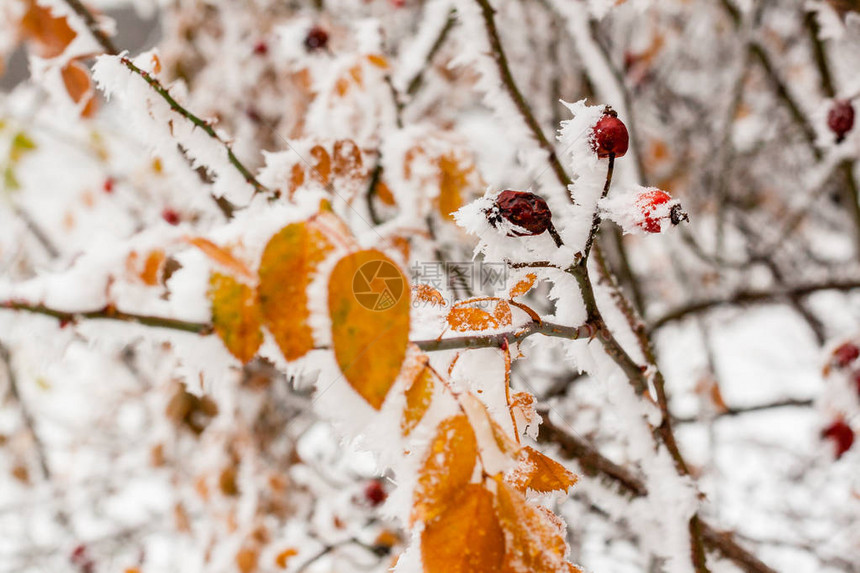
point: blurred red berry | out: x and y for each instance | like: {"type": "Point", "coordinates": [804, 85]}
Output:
{"type": "Point", "coordinates": [108, 185]}
{"type": "Point", "coordinates": [261, 48]}
{"type": "Point", "coordinates": [317, 39]}
{"type": "Point", "coordinates": [375, 493]}
{"type": "Point", "coordinates": [855, 377]}
{"type": "Point", "coordinates": [80, 557]}
{"type": "Point", "coordinates": [840, 118]}
{"type": "Point", "coordinates": [647, 202]}
{"type": "Point", "coordinates": [841, 435]}
{"type": "Point", "coordinates": [609, 136]}
{"type": "Point", "coordinates": [171, 216]}
{"type": "Point", "coordinates": [523, 209]}
{"type": "Point", "coordinates": [845, 354]}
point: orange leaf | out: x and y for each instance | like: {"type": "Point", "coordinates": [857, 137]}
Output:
{"type": "Point", "coordinates": [151, 267]}
{"type": "Point", "coordinates": [385, 194]}
{"type": "Point", "coordinates": [284, 557]}
{"type": "Point", "coordinates": [286, 269]}
{"type": "Point", "coordinates": [322, 169]}
{"type": "Point", "coordinates": [464, 318]}
{"type": "Point", "coordinates": [467, 318]}
{"type": "Point", "coordinates": [540, 473]}
{"type": "Point", "coordinates": [235, 316]}
{"type": "Point", "coordinates": [523, 286]}
{"type": "Point", "coordinates": [497, 450]}
{"type": "Point", "coordinates": [418, 398]}
{"type": "Point", "coordinates": [297, 179]}
{"type": "Point", "coordinates": [221, 256]}
{"type": "Point", "coordinates": [368, 301]}
{"type": "Point", "coordinates": [246, 560]}
{"type": "Point", "coordinates": [523, 407]}
{"type": "Point", "coordinates": [447, 468]}
{"type": "Point", "coordinates": [79, 86]}
{"type": "Point", "coordinates": [50, 34]}
{"type": "Point", "coordinates": [535, 537]}
{"type": "Point", "coordinates": [502, 314]}
{"type": "Point", "coordinates": [466, 538]}
{"type": "Point", "coordinates": [428, 294]}
{"type": "Point", "coordinates": [347, 159]}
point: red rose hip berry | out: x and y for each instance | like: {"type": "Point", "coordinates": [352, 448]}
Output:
{"type": "Point", "coordinates": [171, 216]}
{"type": "Point", "coordinates": [649, 202]}
{"type": "Point", "coordinates": [317, 39]}
{"type": "Point", "coordinates": [845, 354]}
{"type": "Point", "coordinates": [841, 435]}
{"type": "Point", "coordinates": [609, 136]}
{"type": "Point", "coordinates": [840, 118]}
{"type": "Point", "coordinates": [525, 210]}
{"type": "Point", "coordinates": [374, 493]}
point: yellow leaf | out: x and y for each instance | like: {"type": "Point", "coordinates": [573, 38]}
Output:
{"type": "Point", "coordinates": [540, 473]}
{"type": "Point", "coordinates": [368, 302]}
{"type": "Point", "coordinates": [447, 468]}
{"type": "Point", "coordinates": [454, 178]}
{"type": "Point", "coordinates": [523, 286]}
{"type": "Point", "coordinates": [378, 60]}
{"type": "Point", "coordinates": [235, 316]}
{"type": "Point", "coordinates": [535, 537]}
{"type": "Point", "coordinates": [418, 398]}
{"type": "Point", "coordinates": [222, 256]}
{"type": "Point", "coordinates": [466, 538]}
{"type": "Point", "coordinates": [289, 262]}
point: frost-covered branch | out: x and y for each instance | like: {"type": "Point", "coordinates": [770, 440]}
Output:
{"type": "Point", "coordinates": [593, 463]}
{"type": "Point", "coordinates": [108, 313]}
{"type": "Point", "coordinates": [497, 340]}
{"type": "Point", "coordinates": [202, 124]}
{"type": "Point", "coordinates": [93, 26]}
{"type": "Point", "coordinates": [516, 95]}
{"type": "Point", "coordinates": [744, 297]}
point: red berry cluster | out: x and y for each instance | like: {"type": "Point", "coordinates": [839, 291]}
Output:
{"type": "Point", "coordinates": [840, 118]}
{"type": "Point", "coordinates": [843, 358]}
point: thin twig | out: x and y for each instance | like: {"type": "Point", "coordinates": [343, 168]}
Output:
{"type": "Point", "coordinates": [593, 463]}
{"type": "Point", "coordinates": [498, 339]}
{"type": "Point", "coordinates": [109, 313]}
{"type": "Point", "coordinates": [751, 297]}
{"type": "Point", "coordinates": [204, 125]}
{"type": "Point", "coordinates": [519, 101]}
